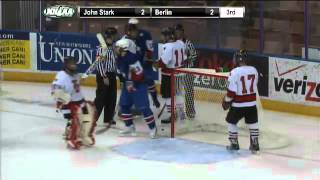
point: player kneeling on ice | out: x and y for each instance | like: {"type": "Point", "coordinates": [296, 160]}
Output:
{"type": "Point", "coordinates": [71, 103]}
{"type": "Point", "coordinates": [241, 99]}
{"type": "Point", "coordinates": [134, 91]}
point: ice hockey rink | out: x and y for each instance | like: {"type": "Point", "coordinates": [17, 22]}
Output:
{"type": "Point", "coordinates": [32, 147]}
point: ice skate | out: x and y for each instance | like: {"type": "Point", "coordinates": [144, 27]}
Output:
{"type": "Point", "coordinates": [129, 131]}
{"type": "Point", "coordinates": [153, 133]}
{"type": "Point", "coordinates": [254, 146]}
{"type": "Point", "coordinates": [234, 145]}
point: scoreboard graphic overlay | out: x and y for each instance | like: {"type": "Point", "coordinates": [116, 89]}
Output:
{"type": "Point", "coordinates": [161, 12]}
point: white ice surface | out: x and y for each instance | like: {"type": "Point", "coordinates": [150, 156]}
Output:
{"type": "Point", "coordinates": [32, 147]}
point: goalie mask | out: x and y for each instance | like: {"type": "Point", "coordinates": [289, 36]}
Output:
{"type": "Point", "coordinates": [240, 57]}
{"type": "Point", "coordinates": [70, 65]}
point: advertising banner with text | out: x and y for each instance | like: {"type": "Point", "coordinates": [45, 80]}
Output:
{"type": "Point", "coordinates": [294, 81]}
{"type": "Point", "coordinates": [53, 47]}
{"type": "Point", "coordinates": [15, 50]}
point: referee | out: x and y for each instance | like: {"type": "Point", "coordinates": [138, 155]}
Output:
{"type": "Point", "coordinates": [106, 92]}
{"type": "Point", "coordinates": [190, 63]}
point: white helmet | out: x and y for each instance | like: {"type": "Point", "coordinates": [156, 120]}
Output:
{"type": "Point", "coordinates": [123, 43]}
{"type": "Point", "coordinates": [133, 21]}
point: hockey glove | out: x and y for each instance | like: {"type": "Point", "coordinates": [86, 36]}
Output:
{"type": "Point", "coordinates": [156, 64]}
{"type": "Point", "coordinates": [226, 104]}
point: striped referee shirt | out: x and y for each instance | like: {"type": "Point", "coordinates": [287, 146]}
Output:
{"type": "Point", "coordinates": [108, 63]}
{"type": "Point", "coordinates": [191, 53]}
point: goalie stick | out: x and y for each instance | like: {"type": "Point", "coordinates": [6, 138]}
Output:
{"type": "Point", "coordinates": [103, 44]}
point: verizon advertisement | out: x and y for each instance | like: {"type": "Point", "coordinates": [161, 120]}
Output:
{"type": "Point", "coordinates": [294, 81]}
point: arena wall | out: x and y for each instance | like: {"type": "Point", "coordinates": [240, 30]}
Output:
{"type": "Point", "coordinates": [287, 85]}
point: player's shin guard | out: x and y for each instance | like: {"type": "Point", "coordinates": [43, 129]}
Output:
{"type": "Point", "coordinates": [233, 137]}
{"type": "Point", "coordinates": [127, 119]}
{"type": "Point", "coordinates": [254, 136]}
{"type": "Point", "coordinates": [149, 118]}
{"type": "Point", "coordinates": [126, 116]}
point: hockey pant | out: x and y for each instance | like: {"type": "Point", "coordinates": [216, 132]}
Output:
{"type": "Point", "coordinates": [138, 98]}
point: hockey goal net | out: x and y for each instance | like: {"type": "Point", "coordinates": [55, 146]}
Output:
{"type": "Point", "coordinates": [197, 95]}
{"type": "Point", "coordinates": [197, 113]}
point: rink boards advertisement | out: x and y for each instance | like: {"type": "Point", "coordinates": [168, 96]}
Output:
{"type": "Point", "coordinates": [294, 81]}
{"type": "Point", "coordinates": [53, 47]}
{"type": "Point", "coordinates": [15, 50]}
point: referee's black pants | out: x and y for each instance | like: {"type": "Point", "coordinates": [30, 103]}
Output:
{"type": "Point", "coordinates": [106, 97]}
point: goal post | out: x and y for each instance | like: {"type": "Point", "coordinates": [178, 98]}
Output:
{"type": "Point", "coordinates": [194, 91]}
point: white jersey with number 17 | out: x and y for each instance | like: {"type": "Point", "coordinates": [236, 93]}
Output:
{"type": "Point", "coordinates": [242, 88]}
{"type": "Point", "coordinates": [173, 54]}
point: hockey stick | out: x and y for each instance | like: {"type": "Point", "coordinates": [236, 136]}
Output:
{"type": "Point", "coordinates": [103, 44]}
{"type": "Point", "coordinates": [162, 109]}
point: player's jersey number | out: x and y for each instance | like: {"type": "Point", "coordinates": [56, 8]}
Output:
{"type": "Point", "coordinates": [176, 52]}
{"type": "Point", "coordinates": [250, 78]}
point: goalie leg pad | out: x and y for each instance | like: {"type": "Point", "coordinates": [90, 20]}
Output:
{"type": "Point", "coordinates": [72, 138]}
{"type": "Point", "coordinates": [87, 123]}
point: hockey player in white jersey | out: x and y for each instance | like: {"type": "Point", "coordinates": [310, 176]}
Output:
{"type": "Point", "coordinates": [172, 57]}
{"type": "Point", "coordinates": [71, 103]}
{"type": "Point", "coordinates": [241, 101]}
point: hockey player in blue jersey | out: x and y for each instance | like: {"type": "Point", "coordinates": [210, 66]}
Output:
{"type": "Point", "coordinates": [144, 44]}
{"type": "Point", "coordinates": [134, 91]}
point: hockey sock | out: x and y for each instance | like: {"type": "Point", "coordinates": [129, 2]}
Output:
{"type": "Point", "coordinates": [127, 119]}
{"type": "Point", "coordinates": [254, 131]}
{"type": "Point", "coordinates": [150, 121]}
{"type": "Point", "coordinates": [233, 133]}
{"type": "Point", "coordinates": [126, 115]}
{"type": "Point", "coordinates": [149, 118]}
